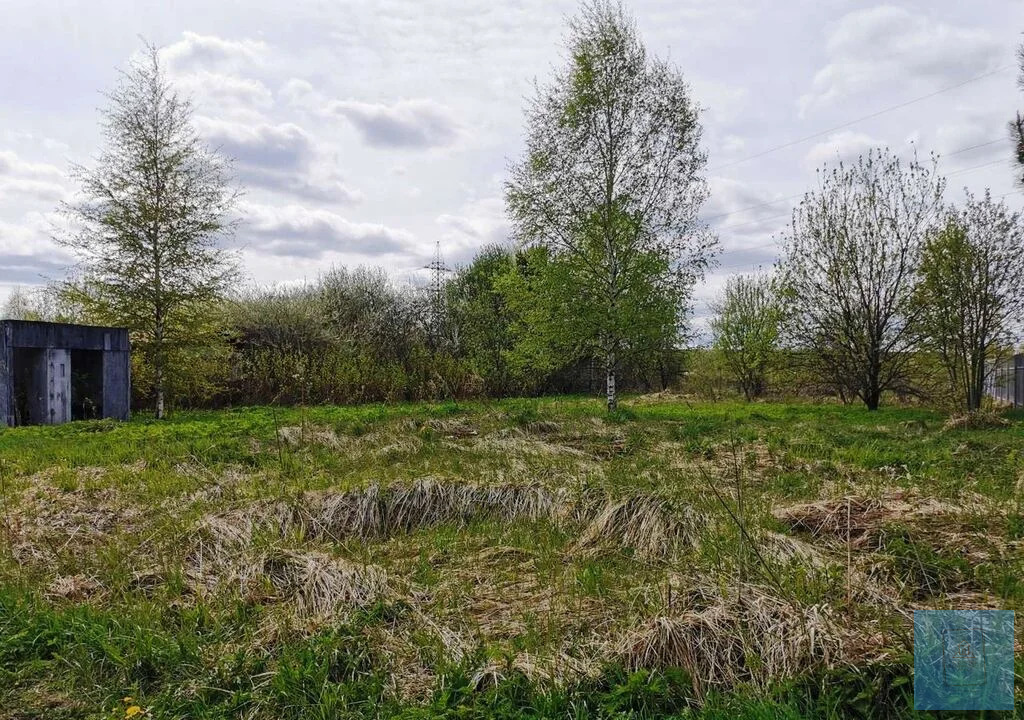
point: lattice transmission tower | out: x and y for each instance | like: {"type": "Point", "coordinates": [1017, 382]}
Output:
{"type": "Point", "coordinates": [438, 309]}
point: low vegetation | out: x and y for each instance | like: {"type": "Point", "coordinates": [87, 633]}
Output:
{"type": "Point", "coordinates": [520, 558]}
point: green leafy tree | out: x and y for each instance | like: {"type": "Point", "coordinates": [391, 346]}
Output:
{"type": "Point", "coordinates": [850, 268]}
{"type": "Point", "coordinates": [149, 232]}
{"type": "Point", "coordinates": [971, 292]}
{"type": "Point", "coordinates": [610, 185]}
{"type": "Point", "coordinates": [478, 312]}
{"type": "Point", "coordinates": [747, 325]}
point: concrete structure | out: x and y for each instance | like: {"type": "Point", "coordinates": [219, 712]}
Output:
{"type": "Point", "coordinates": [51, 373]}
{"type": "Point", "coordinates": [1006, 383]}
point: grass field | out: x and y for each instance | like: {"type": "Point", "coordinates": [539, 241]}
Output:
{"type": "Point", "coordinates": [519, 558]}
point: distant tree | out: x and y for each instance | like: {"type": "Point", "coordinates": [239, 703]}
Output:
{"type": "Point", "coordinates": [851, 258]}
{"type": "Point", "coordinates": [746, 326]}
{"type": "Point", "coordinates": [20, 305]}
{"type": "Point", "coordinates": [149, 229]}
{"type": "Point", "coordinates": [971, 293]}
{"type": "Point", "coordinates": [610, 186]}
{"type": "Point", "coordinates": [1017, 124]}
{"type": "Point", "coordinates": [479, 314]}
{"type": "Point", "coordinates": [45, 303]}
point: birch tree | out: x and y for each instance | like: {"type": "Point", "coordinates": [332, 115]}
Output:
{"type": "Point", "coordinates": [971, 294]}
{"type": "Point", "coordinates": [611, 185]}
{"type": "Point", "coordinates": [851, 261]}
{"type": "Point", "coordinates": [149, 226]}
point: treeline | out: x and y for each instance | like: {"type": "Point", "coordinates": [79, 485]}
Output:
{"type": "Point", "coordinates": [884, 288]}
{"type": "Point", "coordinates": [357, 336]}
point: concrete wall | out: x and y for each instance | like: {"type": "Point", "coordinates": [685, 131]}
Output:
{"type": "Point", "coordinates": [49, 395]}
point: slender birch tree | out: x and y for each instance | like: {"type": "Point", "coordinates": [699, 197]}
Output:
{"type": "Point", "coordinates": [149, 226]}
{"type": "Point", "coordinates": [611, 185]}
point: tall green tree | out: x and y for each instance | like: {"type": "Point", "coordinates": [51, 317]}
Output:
{"type": "Point", "coordinates": [747, 325]}
{"type": "Point", "coordinates": [479, 313]}
{"type": "Point", "coordinates": [971, 292]}
{"type": "Point", "coordinates": [851, 259]}
{"type": "Point", "coordinates": [150, 227]}
{"type": "Point", "coordinates": [610, 185]}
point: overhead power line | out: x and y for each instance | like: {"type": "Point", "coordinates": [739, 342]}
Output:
{"type": "Point", "coordinates": [776, 201]}
{"type": "Point", "coordinates": [870, 116]}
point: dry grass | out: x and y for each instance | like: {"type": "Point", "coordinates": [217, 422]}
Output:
{"type": "Point", "coordinates": [298, 435]}
{"type": "Point", "coordinates": [976, 420]}
{"type": "Point", "coordinates": [722, 639]}
{"type": "Point", "coordinates": [646, 523]}
{"type": "Point", "coordinates": [74, 588]}
{"type": "Point", "coordinates": [379, 511]}
{"type": "Point", "coordinates": [319, 584]}
{"type": "Point", "coordinates": [49, 521]}
{"type": "Point", "coordinates": [862, 517]}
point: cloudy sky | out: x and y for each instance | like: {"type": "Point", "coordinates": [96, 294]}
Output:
{"type": "Point", "coordinates": [365, 131]}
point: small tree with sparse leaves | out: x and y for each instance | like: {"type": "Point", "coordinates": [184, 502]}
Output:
{"type": "Point", "coordinates": [149, 230]}
{"type": "Point", "coordinates": [971, 293]}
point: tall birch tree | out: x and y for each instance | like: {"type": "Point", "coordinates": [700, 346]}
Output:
{"type": "Point", "coordinates": [611, 185]}
{"type": "Point", "coordinates": [149, 227]}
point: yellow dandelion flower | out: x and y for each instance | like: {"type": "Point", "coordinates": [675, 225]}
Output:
{"type": "Point", "coordinates": [132, 711]}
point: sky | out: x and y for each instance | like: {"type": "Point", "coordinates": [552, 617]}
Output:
{"type": "Point", "coordinates": [365, 132]}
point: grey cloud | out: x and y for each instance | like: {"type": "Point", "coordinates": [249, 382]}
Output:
{"type": "Point", "coordinates": [28, 269]}
{"type": "Point", "coordinates": [285, 146]}
{"type": "Point", "coordinates": [407, 123]}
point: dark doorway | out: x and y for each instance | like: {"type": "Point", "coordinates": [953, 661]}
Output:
{"type": "Point", "coordinates": [29, 386]}
{"type": "Point", "coordinates": [86, 384]}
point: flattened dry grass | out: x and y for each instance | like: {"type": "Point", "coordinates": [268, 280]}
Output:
{"type": "Point", "coordinates": [535, 540]}
{"type": "Point", "coordinates": [744, 634]}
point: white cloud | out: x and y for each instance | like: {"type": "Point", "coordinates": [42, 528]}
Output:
{"type": "Point", "coordinates": [34, 181]}
{"type": "Point", "coordinates": [282, 157]}
{"type": "Point", "coordinates": [217, 91]}
{"type": "Point", "coordinates": [839, 147]}
{"type": "Point", "coordinates": [293, 230]}
{"type": "Point", "coordinates": [888, 44]}
{"type": "Point", "coordinates": [284, 146]}
{"type": "Point", "coordinates": [198, 51]}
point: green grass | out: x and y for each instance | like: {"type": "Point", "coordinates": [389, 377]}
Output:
{"type": "Point", "coordinates": [99, 601]}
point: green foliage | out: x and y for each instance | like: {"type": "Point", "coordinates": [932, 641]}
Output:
{"type": "Point", "coordinates": [609, 189]}
{"type": "Point", "coordinates": [970, 293]}
{"type": "Point", "coordinates": [149, 231]}
{"type": "Point", "coordinates": [747, 325]}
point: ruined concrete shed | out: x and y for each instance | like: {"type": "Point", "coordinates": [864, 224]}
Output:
{"type": "Point", "coordinates": [51, 373]}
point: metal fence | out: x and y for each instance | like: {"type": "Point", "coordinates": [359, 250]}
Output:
{"type": "Point", "coordinates": [1006, 383]}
